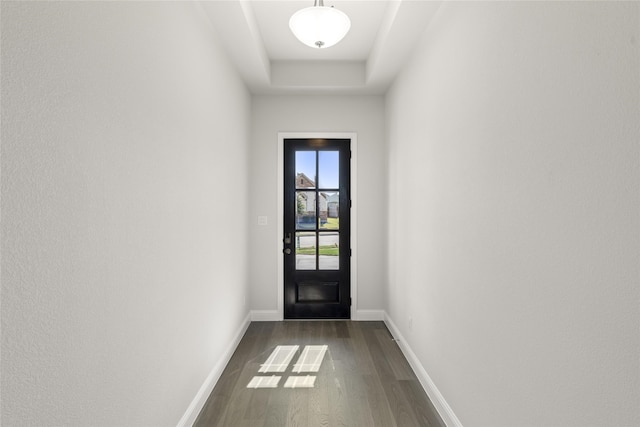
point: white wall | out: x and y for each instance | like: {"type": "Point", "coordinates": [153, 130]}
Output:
{"type": "Point", "coordinates": [124, 165]}
{"type": "Point", "coordinates": [361, 114]}
{"type": "Point", "coordinates": [514, 211]}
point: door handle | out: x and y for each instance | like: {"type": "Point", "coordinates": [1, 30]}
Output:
{"type": "Point", "coordinates": [286, 251]}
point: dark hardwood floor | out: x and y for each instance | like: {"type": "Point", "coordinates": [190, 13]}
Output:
{"type": "Point", "coordinates": [362, 380]}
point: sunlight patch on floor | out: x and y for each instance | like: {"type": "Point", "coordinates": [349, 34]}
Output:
{"type": "Point", "coordinates": [307, 381]}
{"type": "Point", "coordinates": [264, 382]}
{"type": "Point", "coordinates": [279, 359]}
{"type": "Point", "coordinates": [310, 359]}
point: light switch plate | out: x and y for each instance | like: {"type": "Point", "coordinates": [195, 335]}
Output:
{"type": "Point", "coordinates": [262, 220]}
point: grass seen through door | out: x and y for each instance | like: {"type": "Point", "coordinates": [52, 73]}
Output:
{"type": "Point", "coordinates": [330, 250]}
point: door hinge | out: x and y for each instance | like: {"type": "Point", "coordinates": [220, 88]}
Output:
{"type": "Point", "coordinates": [350, 303]}
{"type": "Point", "coordinates": [350, 252]}
{"type": "Point", "coordinates": [350, 204]}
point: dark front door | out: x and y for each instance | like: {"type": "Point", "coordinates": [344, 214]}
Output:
{"type": "Point", "coordinates": [316, 229]}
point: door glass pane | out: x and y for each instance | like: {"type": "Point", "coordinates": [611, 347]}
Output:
{"type": "Point", "coordinates": [305, 251]}
{"type": "Point", "coordinates": [305, 169]}
{"type": "Point", "coordinates": [329, 250]}
{"type": "Point", "coordinates": [305, 210]}
{"type": "Point", "coordinates": [329, 218]}
{"type": "Point", "coordinates": [329, 174]}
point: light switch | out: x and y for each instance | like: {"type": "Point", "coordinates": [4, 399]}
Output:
{"type": "Point", "coordinates": [262, 220]}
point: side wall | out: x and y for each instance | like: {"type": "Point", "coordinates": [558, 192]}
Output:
{"type": "Point", "coordinates": [123, 274]}
{"type": "Point", "coordinates": [361, 114]}
{"type": "Point", "coordinates": [514, 211]}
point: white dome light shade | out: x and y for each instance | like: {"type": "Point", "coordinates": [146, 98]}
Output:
{"type": "Point", "coordinates": [319, 26]}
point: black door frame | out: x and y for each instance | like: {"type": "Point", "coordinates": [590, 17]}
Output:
{"type": "Point", "coordinates": [280, 217]}
{"type": "Point", "coordinates": [318, 293]}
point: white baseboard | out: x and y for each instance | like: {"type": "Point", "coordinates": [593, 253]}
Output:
{"type": "Point", "coordinates": [198, 402]}
{"type": "Point", "coordinates": [369, 315]}
{"type": "Point", "coordinates": [265, 316]}
{"type": "Point", "coordinates": [273, 316]}
{"type": "Point", "coordinates": [359, 315]}
{"type": "Point", "coordinates": [441, 405]}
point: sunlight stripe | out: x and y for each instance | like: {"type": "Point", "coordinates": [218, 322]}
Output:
{"type": "Point", "coordinates": [310, 359]}
{"type": "Point", "coordinates": [307, 381]}
{"type": "Point", "coordinates": [264, 382]}
{"type": "Point", "coordinates": [279, 359]}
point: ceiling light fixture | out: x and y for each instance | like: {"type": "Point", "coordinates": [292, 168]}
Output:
{"type": "Point", "coordinates": [319, 26]}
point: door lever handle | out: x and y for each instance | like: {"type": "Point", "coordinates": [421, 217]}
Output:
{"type": "Point", "coordinates": [286, 251]}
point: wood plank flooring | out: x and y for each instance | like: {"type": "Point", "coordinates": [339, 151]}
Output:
{"type": "Point", "coordinates": [363, 380]}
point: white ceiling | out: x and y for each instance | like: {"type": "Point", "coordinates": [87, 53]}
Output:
{"type": "Point", "coordinates": [270, 59]}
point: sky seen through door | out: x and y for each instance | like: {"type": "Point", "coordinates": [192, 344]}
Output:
{"type": "Point", "coordinates": [328, 164]}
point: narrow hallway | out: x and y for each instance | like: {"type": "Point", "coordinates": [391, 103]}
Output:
{"type": "Point", "coordinates": [494, 213]}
